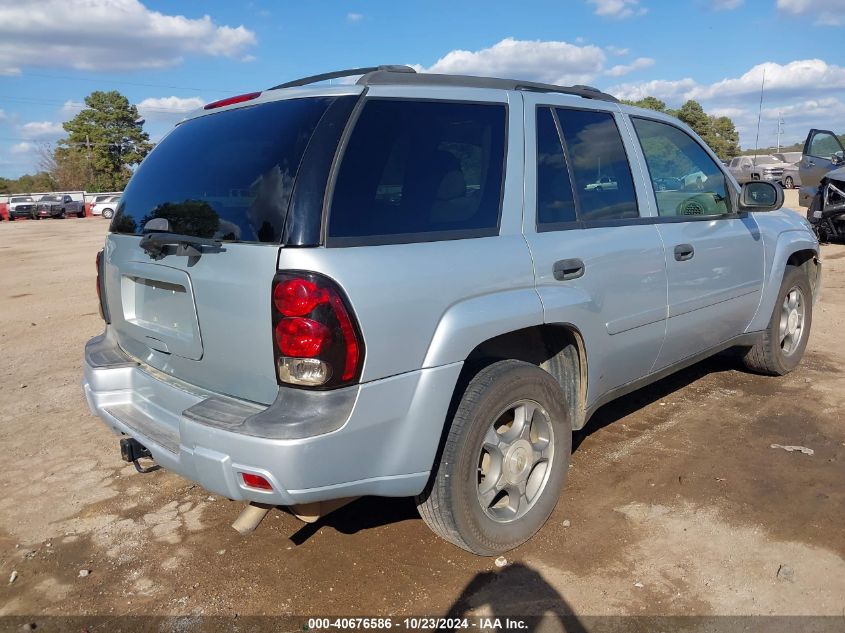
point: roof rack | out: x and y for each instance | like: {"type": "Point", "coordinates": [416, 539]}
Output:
{"type": "Point", "coordinates": [382, 77]}
{"type": "Point", "coordinates": [405, 75]}
{"type": "Point", "coordinates": [350, 72]}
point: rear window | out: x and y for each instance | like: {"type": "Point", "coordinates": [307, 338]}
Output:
{"type": "Point", "coordinates": [420, 171]}
{"type": "Point", "coordinates": [227, 176]}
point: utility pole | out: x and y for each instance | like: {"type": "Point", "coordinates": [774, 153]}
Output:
{"type": "Point", "coordinates": [780, 128]}
{"type": "Point", "coordinates": [759, 116]}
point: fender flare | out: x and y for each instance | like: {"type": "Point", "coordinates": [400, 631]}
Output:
{"type": "Point", "coordinates": [788, 243]}
{"type": "Point", "coordinates": [468, 323]}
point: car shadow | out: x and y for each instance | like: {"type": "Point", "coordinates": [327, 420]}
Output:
{"type": "Point", "coordinates": [371, 512]}
{"type": "Point", "coordinates": [362, 514]}
{"type": "Point", "coordinates": [516, 593]}
{"type": "Point", "coordinates": [628, 404]}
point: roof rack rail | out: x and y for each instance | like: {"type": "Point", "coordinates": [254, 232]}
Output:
{"type": "Point", "coordinates": [351, 72]}
{"type": "Point", "coordinates": [385, 75]}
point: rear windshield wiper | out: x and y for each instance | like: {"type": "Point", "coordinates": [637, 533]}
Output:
{"type": "Point", "coordinates": [154, 244]}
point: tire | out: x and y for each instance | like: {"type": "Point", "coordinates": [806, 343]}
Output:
{"type": "Point", "coordinates": [452, 506]}
{"type": "Point", "coordinates": [63, 214]}
{"type": "Point", "coordinates": [81, 214]}
{"type": "Point", "coordinates": [777, 353]}
{"type": "Point", "coordinates": [108, 213]}
{"type": "Point", "coordinates": [788, 182]}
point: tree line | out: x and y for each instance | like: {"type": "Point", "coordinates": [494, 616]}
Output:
{"type": "Point", "coordinates": [104, 142]}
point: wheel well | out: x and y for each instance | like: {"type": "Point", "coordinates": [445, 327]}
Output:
{"type": "Point", "coordinates": [808, 260]}
{"type": "Point", "coordinates": [558, 349]}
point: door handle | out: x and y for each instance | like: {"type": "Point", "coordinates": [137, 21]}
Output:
{"type": "Point", "coordinates": [568, 269]}
{"type": "Point", "coordinates": [684, 252]}
{"type": "Point", "coordinates": [811, 163]}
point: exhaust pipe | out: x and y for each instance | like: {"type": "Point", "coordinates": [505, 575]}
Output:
{"type": "Point", "coordinates": [250, 517]}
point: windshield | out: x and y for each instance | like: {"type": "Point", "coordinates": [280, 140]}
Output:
{"type": "Point", "coordinates": [20, 200]}
{"type": "Point", "coordinates": [226, 176]}
{"type": "Point", "coordinates": [50, 199]}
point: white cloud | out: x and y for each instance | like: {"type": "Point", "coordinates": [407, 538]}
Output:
{"type": "Point", "coordinates": [354, 17]}
{"type": "Point", "coordinates": [826, 12]}
{"type": "Point", "coordinates": [623, 69]}
{"type": "Point", "coordinates": [21, 148]}
{"type": "Point", "coordinates": [618, 9]}
{"type": "Point", "coordinates": [108, 34]}
{"type": "Point", "coordinates": [615, 50]}
{"type": "Point", "coordinates": [41, 129]}
{"type": "Point", "coordinates": [71, 107]}
{"type": "Point", "coordinates": [806, 93]}
{"type": "Point", "coordinates": [796, 78]}
{"type": "Point", "coordinates": [727, 5]}
{"type": "Point", "coordinates": [547, 61]}
{"type": "Point", "coordinates": [3, 115]}
{"type": "Point", "coordinates": [168, 108]}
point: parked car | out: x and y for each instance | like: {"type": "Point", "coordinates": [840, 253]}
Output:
{"type": "Point", "coordinates": [788, 157]}
{"type": "Point", "coordinates": [421, 296]}
{"type": "Point", "coordinates": [21, 207]}
{"type": "Point", "coordinates": [823, 152]}
{"type": "Point", "coordinates": [59, 206]}
{"type": "Point", "coordinates": [748, 168]}
{"type": "Point", "coordinates": [105, 206]}
{"type": "Point", "coordinates": [602, 183]}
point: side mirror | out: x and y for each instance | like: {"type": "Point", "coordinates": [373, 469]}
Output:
{"type": "Point", "coordinates": [759, 195]}
{"type": "Point", "coordinates": [837, 159]}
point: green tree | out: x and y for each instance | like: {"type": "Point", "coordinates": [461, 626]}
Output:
{"type": "Point", "coordinates": [105, 140]}
{"type": "Point", "coordinates": [650, 103]}
{"type": "Point", "coordinates": [724, 137]}
{"type": "Point", "coordinates": [694, 115]}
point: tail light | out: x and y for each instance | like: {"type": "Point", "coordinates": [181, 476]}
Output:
{"type": "Point", "coordinates": [316, 339]}
{"type": "Point", "coordinates": [103, 310]}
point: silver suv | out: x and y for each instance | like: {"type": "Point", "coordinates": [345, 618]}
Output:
{"type": "Point", "coordinates": [410, 286]}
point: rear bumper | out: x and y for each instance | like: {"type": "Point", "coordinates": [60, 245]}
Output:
{"type": "Point", "coordinates": [384, 444]}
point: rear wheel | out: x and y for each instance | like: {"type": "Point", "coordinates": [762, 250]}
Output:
{"type": "Point", "coordinates": [108, 213]}
{"type": "Point", "coordinates": [504, 461]}
{"type": "Point", "coordinates": [785, 339]}
{"type": "Point", "coordinates": [81, 214]}
{"type": "Point", "coordinates": [788, 182]}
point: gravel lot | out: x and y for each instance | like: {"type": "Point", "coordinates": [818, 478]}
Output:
{"type": "Point", "coordinates": [676, 504]}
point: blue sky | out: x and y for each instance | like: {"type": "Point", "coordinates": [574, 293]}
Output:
{"type": "Point", "coordinates": [171, 57]}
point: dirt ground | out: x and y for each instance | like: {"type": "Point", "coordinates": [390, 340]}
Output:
{"type": "Point", "coordinates": [676, 503]}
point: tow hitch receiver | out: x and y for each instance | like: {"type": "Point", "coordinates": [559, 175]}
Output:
{"type": "Point", "coordinates": [131, 450]}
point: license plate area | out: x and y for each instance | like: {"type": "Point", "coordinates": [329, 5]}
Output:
{"type": "Point", "coordinates": [158, 309]}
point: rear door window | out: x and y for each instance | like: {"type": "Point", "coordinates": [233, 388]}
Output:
{"type": "Point", "coordinates": [227, 175]}
{"type": "Point", "coordinates": [420, 171]}
{"type": "Point", "coordinates": [601, 174]}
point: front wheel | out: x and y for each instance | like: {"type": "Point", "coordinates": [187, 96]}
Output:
{"type": "Point", "coordinates": [785, 339]}
{"type": "Point", "coordinates": [788, 182]}
{"type": "Point", "coordinates": [504, 461]}
{"type": "Point", "coordinates": [108, 213]}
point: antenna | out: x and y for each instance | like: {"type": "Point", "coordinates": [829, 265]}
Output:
{"type": "Point", "coordinates": [759, 116]}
